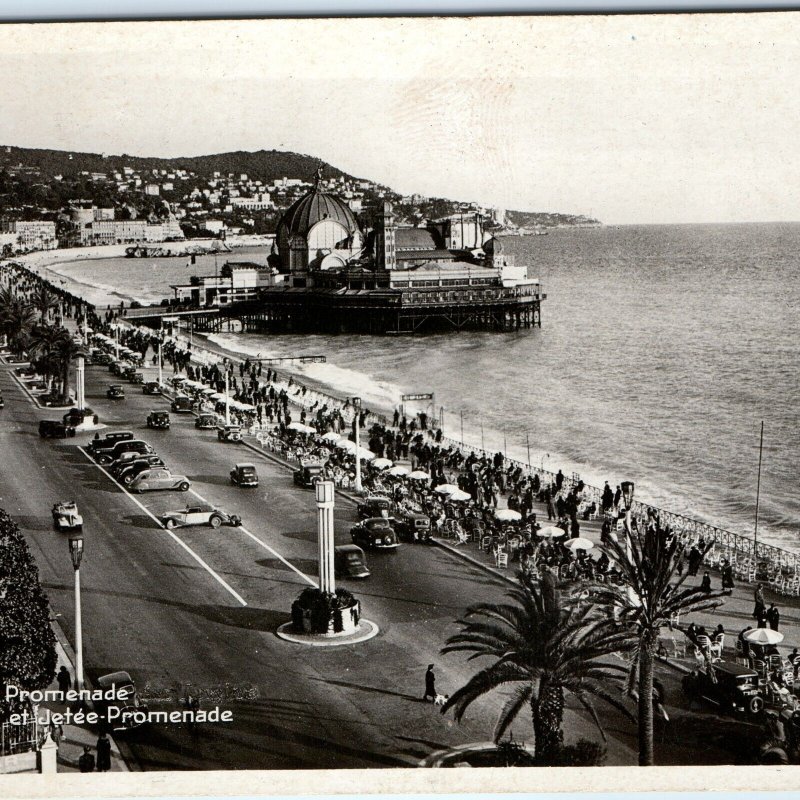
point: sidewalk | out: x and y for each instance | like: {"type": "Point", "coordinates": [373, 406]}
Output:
{"type": "Point", "coordinates": [74, 738]}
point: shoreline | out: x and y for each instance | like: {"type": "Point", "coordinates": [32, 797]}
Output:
{"type": "Point", "coordinates": [471, 442]}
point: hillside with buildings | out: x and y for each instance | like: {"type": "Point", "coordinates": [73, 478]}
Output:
{"type": "Point", "coordinates": [51, 198]}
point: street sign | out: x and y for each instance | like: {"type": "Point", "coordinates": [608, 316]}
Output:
{"type": "Point", "coordinates": [420, 396]}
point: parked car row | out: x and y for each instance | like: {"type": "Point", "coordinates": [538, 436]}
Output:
{"type": "Point", "coordinates": [135, 463]}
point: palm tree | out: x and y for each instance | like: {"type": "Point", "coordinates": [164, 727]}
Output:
{"type": "Point", "coordinates": [43, 300]}
{"type": "Point", "coordinates": [43, 349]}
{"type": "Point", "coordinates": [650, 596]}
{"type": "Point", "coordinates": [16, 318]}
{"type": "Point", "coordinates": [66, 349]}
{"type": "Point", "coordinates": [543, 650]}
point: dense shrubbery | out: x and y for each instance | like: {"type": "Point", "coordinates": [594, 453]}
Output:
{"type": "Point", "coordinates": [319, 609]}
{"type": "Point", "coordinates": [28, 648]}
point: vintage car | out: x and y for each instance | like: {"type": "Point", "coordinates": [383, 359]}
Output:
{"type": "Point", "coordinates": [137, 377]}
{"type": "Point", "coordinates": [119, 466]}
{"type": "Point", "coordinates": [206, 422]}
{"type": "Point", "coordinates": [151, 387]}
{"type": "Point", "coordinates": [129, 469]}
{"type": "Point", "coordinates": [116, 392]}
{"type": "Point", "coordinates": [412, 526]}
{"type": "Point", "coordinates": [374, 506]}
{"type": "Point", "coordinates": [108, 441]}
{"type": "Point", "coordinates": [733, 687]}
{"type": "Point", "coordinates": [158, 419]}
{"type": "Point", "coordinates": [181, 405]}
{"type": "Point", "coordinates": [66, 516]}
{"type": "Point", "coordinates": [229, 433]}
{"type": "Point", "coordinates": [199, 515]}
{"type": "Point", "coordinates": [104, 359]}
{"type": "Point", "coordinates": [349, 562]}
{"type": "Point", "coordinates": [128, 446]}
{"type": "Point", "coordinates": [159, 478]}
{"type": "Point", "coordinates": [127, 371]}
{"type": "Point", "coordinates": [376, 533]}
{"type": "Point", "coordinates": [116, 367]}
{"type": "Point", "coordinates": [120, 708]}
{"type": "Point", "coordinates": [310, 473]}
{"type": "Point", "coordinates": [244, 475]}
{"type": "Point", "coordinates": [55, 429]}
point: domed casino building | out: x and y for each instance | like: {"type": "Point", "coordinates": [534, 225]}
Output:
{"type": "Point", "coordinates": [317, 233]}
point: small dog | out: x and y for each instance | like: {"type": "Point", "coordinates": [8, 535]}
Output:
{"type": "Point", "coordinates": [441, 699]}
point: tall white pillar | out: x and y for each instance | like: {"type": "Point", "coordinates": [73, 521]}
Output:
{"type": "Point", "coordinates": [160, 366]}
{"type": "Point", "coordinates": [80, 389]}
{"type": "Point", "coordinates": [325, 503]}
{"type": "Point", "coordinates": [227, 407]}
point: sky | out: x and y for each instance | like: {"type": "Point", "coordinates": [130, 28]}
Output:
{"type": "Point", "coordinates": [631, 119]}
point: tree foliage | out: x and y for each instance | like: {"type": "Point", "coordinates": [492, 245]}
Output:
{"type": "Point", "coordinates": [27, 642]}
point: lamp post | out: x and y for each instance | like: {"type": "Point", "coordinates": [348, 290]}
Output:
{"type": "Point", "coordinates": [76, 553]}
{"type": "Point", "coordinates": [627, 501]}
{"type": "Point", "coordinates": [227, 407]}
{"type": "Point", "coordinates": [357, 406]}
{"type": "Point", "coordinates": [160, 365]}
{"type": "Point", "coordinates": [325, 494]}
{"type": "Point", "coordinates": [462, 427]}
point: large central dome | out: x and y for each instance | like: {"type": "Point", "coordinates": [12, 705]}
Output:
{"type": "Point", "coordinates": [312, 208]}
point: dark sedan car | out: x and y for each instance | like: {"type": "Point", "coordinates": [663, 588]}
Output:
{"type": "Point", "coordinates": [375, 507]}
{"type": "Point", "coordinates": [129, 469]}
{"type": "Point", "coordinates": [244, 475]}
{"type": "Point", "coordinates": [730, 686]}
{"type": "Point", "coordinates": [349, 562]}
{"type": "Point", "coordinates": [151, 387]}
{"type": "Point", "coordinates": [159, 420]}
{"type": "Point", "coordinates": [116, 392]}
{"type": "Point", "coordinates": [376, 533]}
{"type": "Point", "coordinates": [55, 429]}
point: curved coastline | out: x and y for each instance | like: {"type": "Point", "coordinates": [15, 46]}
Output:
{"type": "Point", "coordinates": [473, 439]}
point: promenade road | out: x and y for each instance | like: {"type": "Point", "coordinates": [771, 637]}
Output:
{"type": "Point", "coordinates": [200, 607]}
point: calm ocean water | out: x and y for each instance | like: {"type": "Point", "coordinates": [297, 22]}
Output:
{"type": "Point", "coordinates": [661, 350]}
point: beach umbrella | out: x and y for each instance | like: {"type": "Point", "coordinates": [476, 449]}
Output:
{"type": "Point", "coordinates": [419, 475]}
{"type": "Point", "coordinates": [507, 515]}
{"type": "Point", "coordinates": [217, 396]}
{"type": "Point", "coordinates": [297, 426]}
{"type": "Point", "coordinates": [397, 471]}
{"type": "Point", "coordinates": [459, 497]}
{"type": "Point", "coordinates": [365, 455]}
{"type": "Point", "coordinates": [579, 543]}
{"type": "Point", "coordinates": [763, 636]}
{"type": "Point", "coordinates": [382, 463]}
{"type": "Point", "coordinates": [208, 390]}
{"type": "Point", "coordinates": [446, 488]}
{"type": "Point", "coordinates": [331, 437]}
{"type": "Point", "coordinates": [550, 532]}
{"type": "Point", "coordinates": [346, 444]}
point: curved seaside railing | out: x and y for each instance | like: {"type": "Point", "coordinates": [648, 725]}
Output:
{"type": "Point", "coordinates": [769, 563]}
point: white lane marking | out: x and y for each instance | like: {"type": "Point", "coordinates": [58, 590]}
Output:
{"type": "Point", "coordinates": [278, 555]}
{"type": "Point", "coordinates": [263, 544]}
{"type": "Point", "coordinates": [155, 519]}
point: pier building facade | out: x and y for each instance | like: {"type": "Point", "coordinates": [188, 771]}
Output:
{"type": "Point", "coordinates": [326, 275]}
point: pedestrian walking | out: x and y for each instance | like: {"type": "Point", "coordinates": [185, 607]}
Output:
{"type": "Point", "coordinates": [64, 682]}
{"type": "Point", "coordinates": [86, 761]}
{"type": "Point", "coordinates": [430, 684]}
{"type": "Point", "coordinates": [773, 617]}
{"type": "Point", "coordinates": [705, 584]}
{"type": "Point", "coordinates": [727, 575]}
{"type": "Point", "coordinates": [760, 605]}
{"type": "Point", "coordinates": [103, 753]}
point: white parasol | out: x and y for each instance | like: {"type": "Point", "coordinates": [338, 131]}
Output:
{"type": "Point", "coordinates": [550, 532]}
{"type": "Point", "coordinates": [331, 437]}
{"type": "Point", "coordinates": [419, 475]}
{"type": "Point", "coordinates": [382, 463]}
{"type": "Point", "coordinates": [763, 636]}
{"type": "Point", "coordinates": [346, 444]}
{"type": "Point", "coordinates": [459, 497]}
{"type": "Point", "coordinates": [579, 543]}
{"type": "Point", "coordinates": [364, 454]}
{"type": "Point", "coordinates": [397, 471]}
{"type": "Point", "coordinates": [446, 488]}
{"type": "Point", "coordinates": [507, 515]}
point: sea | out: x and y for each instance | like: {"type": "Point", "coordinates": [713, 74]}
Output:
{"type": "Point", "coordinates": [662, 349]}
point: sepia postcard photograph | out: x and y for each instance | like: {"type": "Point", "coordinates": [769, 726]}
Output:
{"type": "Point", "coordinates": [382, 396]}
